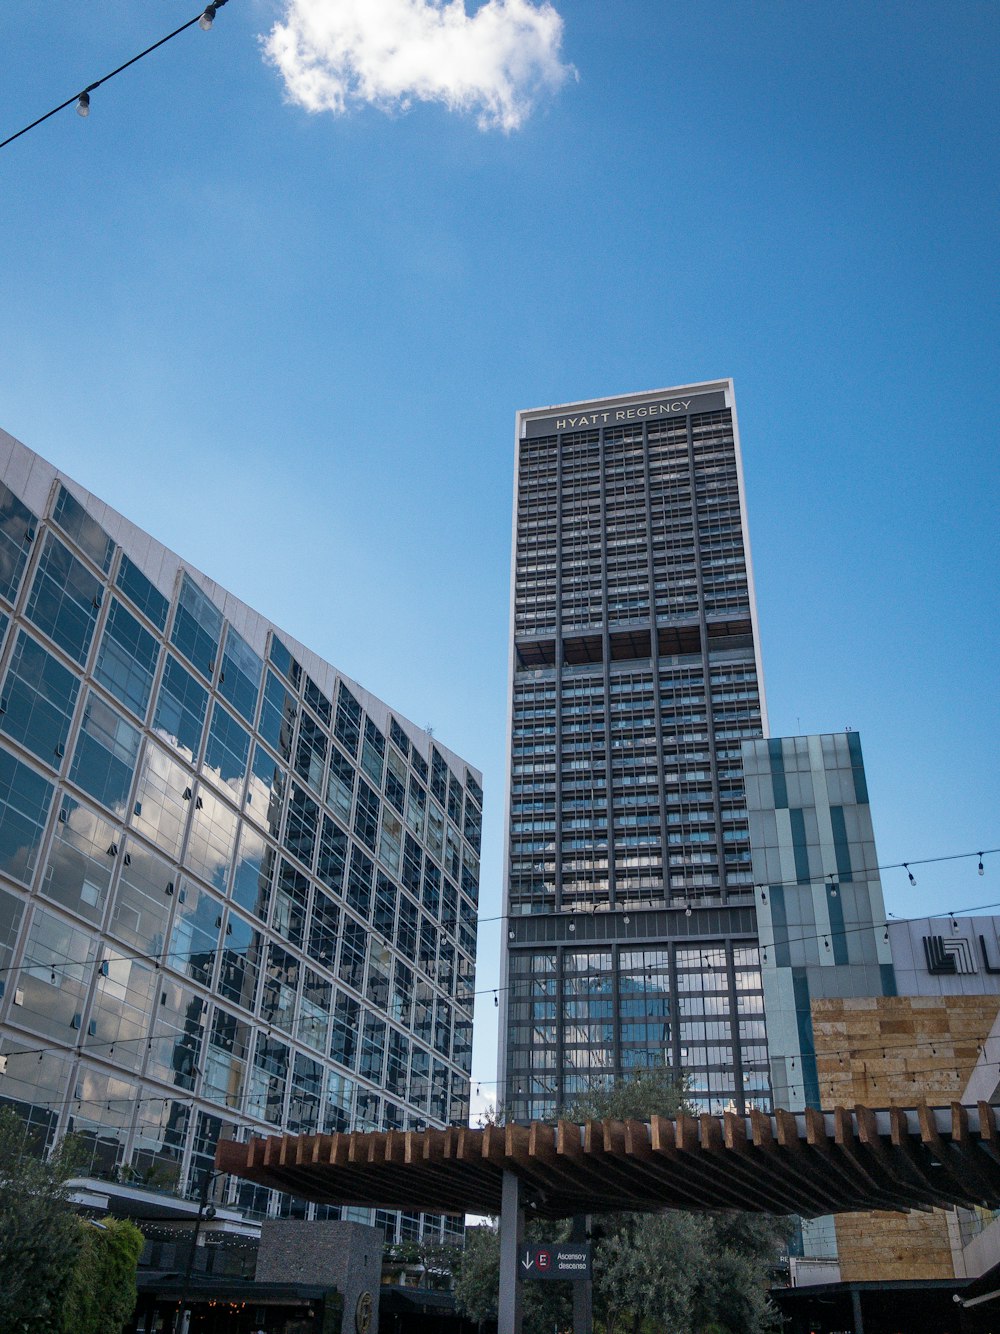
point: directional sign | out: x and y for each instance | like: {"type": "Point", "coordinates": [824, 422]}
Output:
{"type": "Point", "coordinates": [565, 1260]}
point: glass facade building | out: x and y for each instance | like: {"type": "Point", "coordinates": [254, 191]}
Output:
{"type": "Point", "coordinates": [631, 931]}
{"type": "Point", "coordinates": [237, 892]}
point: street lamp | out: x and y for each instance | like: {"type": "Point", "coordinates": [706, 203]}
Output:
{"type": "Point", "coordinates": [205, 1210]}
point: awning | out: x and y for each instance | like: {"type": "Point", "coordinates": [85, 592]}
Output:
{"type": "Point", "coordinates": [808, 1163]}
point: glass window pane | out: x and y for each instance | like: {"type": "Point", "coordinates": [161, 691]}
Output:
{"type": "Point", "coordinates": [195, 936]}
{"type": "Point", "coordinates": [17, 531]}
{"type": "Point", "coordinates": [227, 750]}
{"type": "Point", "coordinates": [142, 900]}
{"type": "Point", "coordinates": [37, 700]}
{"type": "Point", "coordinates": [126, 659]}
{"type": "Point", "coordinates": [142, 593]}
{"type": "Point", "coordinates": [161, 809]}
{"type": "Point", "coordinates": [105, 756]}
{"type": "Point", "coordinates": [64, 599]}
{"type": "Point", "coordinates": [212, 839]}
{"type": "Point", "coordinates": [239, 679]}
{"type": "Point", "coordinates": [25, 798]}
{"type": "Point", "coordinates": [197, 627]}
{"type": "Point", "coordinates": [180, 708]}
{"type": "Point", "coordinates": [81, 860]}
{"type": "Point", "coordinates": [86, 533]}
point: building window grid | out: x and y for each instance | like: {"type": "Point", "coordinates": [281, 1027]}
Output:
{"type": "Point", "coordinates": [125, 587]}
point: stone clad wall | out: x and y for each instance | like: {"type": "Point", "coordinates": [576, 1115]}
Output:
{"type": "Point", "coordinates": [886, 1051]}
{"type": "Point", "coordinates": [345, 1256]}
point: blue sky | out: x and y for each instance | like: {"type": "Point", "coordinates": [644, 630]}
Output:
{"type": "Point", "coordinates": [291, 344]}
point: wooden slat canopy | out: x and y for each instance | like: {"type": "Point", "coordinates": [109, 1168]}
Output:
{"type": "Point", "coordinates": [808, 1163]}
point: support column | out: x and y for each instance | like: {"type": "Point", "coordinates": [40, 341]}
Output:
{"type": "Point", "coordinates": [859, 1324]}
{"type": "Point", "coordinates": [583, 1291]}
{"type": "Point", "coordinates": [511, 1239]}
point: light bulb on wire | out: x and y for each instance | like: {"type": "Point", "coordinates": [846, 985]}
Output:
{"type": "Point", "coordinates": [208, 18]}
{"type": "Point", "coordinates": [83, 104]}
{"type": "Point", "coordinates": [906, 868]}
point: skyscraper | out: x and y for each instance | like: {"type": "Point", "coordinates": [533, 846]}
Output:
{"type": "Point", "coordinates": [237, 891]}
{"type": "Point", "coordinates": [630, 932]}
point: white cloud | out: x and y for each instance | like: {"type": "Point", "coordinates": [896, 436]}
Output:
{"type": "Point", "coordinates": [496, 63]}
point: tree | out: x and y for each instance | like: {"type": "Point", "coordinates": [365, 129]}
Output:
{"type": "Point", "coordinates": [39, 1233]}
{"type": "Point", "coordinates": [102, 1291]}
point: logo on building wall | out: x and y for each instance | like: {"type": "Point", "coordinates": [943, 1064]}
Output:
{"type": "Point", "coordinates": [948, 956]}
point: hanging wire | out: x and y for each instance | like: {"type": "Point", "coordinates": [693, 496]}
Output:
{"type": "Point", "coordinates": [82, 99]}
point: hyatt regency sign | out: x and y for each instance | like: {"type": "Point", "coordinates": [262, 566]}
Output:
{"type": "Point", "coordinates": [620, 414]}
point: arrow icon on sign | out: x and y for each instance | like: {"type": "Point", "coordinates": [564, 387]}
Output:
{"type": "Point", "coordinates": [528, 1263]}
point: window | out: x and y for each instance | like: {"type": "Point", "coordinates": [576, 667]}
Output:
{"type": "Point", "coordinates": [242, 952]}
{"type": "Point", "coordinates": [277, 716]}
{"type": "Point", "coordinates": [252, 878]}
{"type": "Point", "coordinates": [359, 882]}
{"type": "Point", "coordinates": [212, 839]}
{"type": "Point", "coordinates": [142, 594]}
{"type": "Point", "coordinates": [197, 627]}
{"type": "Point", "coordinates": [160, 810]}
{"type": "Point", "coordinates": [266, 790]}
{"type": "Point", "coordinates": [332, 855]}
{"type": "Point", "coordinates": [302, 825]}
{"type": "Point", "coordinates": [105, 757]}
{"type": "Point", "coordinates": [17, 530]}
{"type": "Point", "coordinates": [324, 930]}
{"type": "Point", "coordinates": [142, 900]}
{"type": "Point", "coordinates": [314, 1011]}
{"type": "Point", "coordinates": [226, 1059]}
{"type": "Point", "coordinates": [126, 659]}
{"type": "Point", "coordinates": [373, 752]}
{"type": "Point", "coordinates": [25, 798]}
{"type": "Point", "coordinates": [64, 600]}
{"type": "Point", "coordinates": [37, 700]}
{"type": "Point", "coordinates": [78, 871]}
{"type": "Point", "coordinates": [227, 750]}
{"type": "Point", "coordinates": [353, 949]}
{"type": "Point", "coordinates": [196, 933]}
{"type": "Point", "coordinates": [340, 788]}
{"type": "Point", "coordinates": [344, 1031]}
{"type": "Point", "coordinates": [180, 709]}
{"type": "Point", "coordinates": [239, 679]}
{"type": "Point", "coordinates": [366, 815]}
{"type": "Point", "coordinates": [278, 994]}
{"type": "Point", "coordinates": [310, 757]}
{"type": "Point", "coordinates": [86, 533]}
{"type": "Point", "coordinates": [347, 728]}
{"type": "Point", "coordinates": [291, 904]}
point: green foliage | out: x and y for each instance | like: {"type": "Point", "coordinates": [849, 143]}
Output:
{"type": "Point", "coordinates": [39, 1233]}
{"type": "Point", "coordinates": [477, 1273]}
{"type": "Point", "coordinates": [547, 1306]}
{"type": "Point", "coordinates": [655, 1091]}
{"type": "Point", "coordinates": [102, 1292]}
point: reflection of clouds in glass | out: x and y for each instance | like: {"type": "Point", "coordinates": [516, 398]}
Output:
{"type": "Point", "coordinates": [212, 839]}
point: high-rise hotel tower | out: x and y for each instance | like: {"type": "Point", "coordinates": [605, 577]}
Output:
{"type": "Point", "coordinates": [630, 932]}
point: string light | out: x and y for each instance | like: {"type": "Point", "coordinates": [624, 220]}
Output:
{"type": "Point", "coordinates": [906, 868]}
{"type": "Point", "coordinates": [82, 100]}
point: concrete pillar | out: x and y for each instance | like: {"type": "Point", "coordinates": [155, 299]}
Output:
{"type": "Point", "coordinates": [511, 1240]}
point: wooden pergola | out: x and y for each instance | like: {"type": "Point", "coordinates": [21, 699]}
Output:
{"type": "Point", "coordinates": [807, 1163]}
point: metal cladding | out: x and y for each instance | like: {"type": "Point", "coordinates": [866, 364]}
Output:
{"type": "Point", "coordinates": [808, 1163]}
